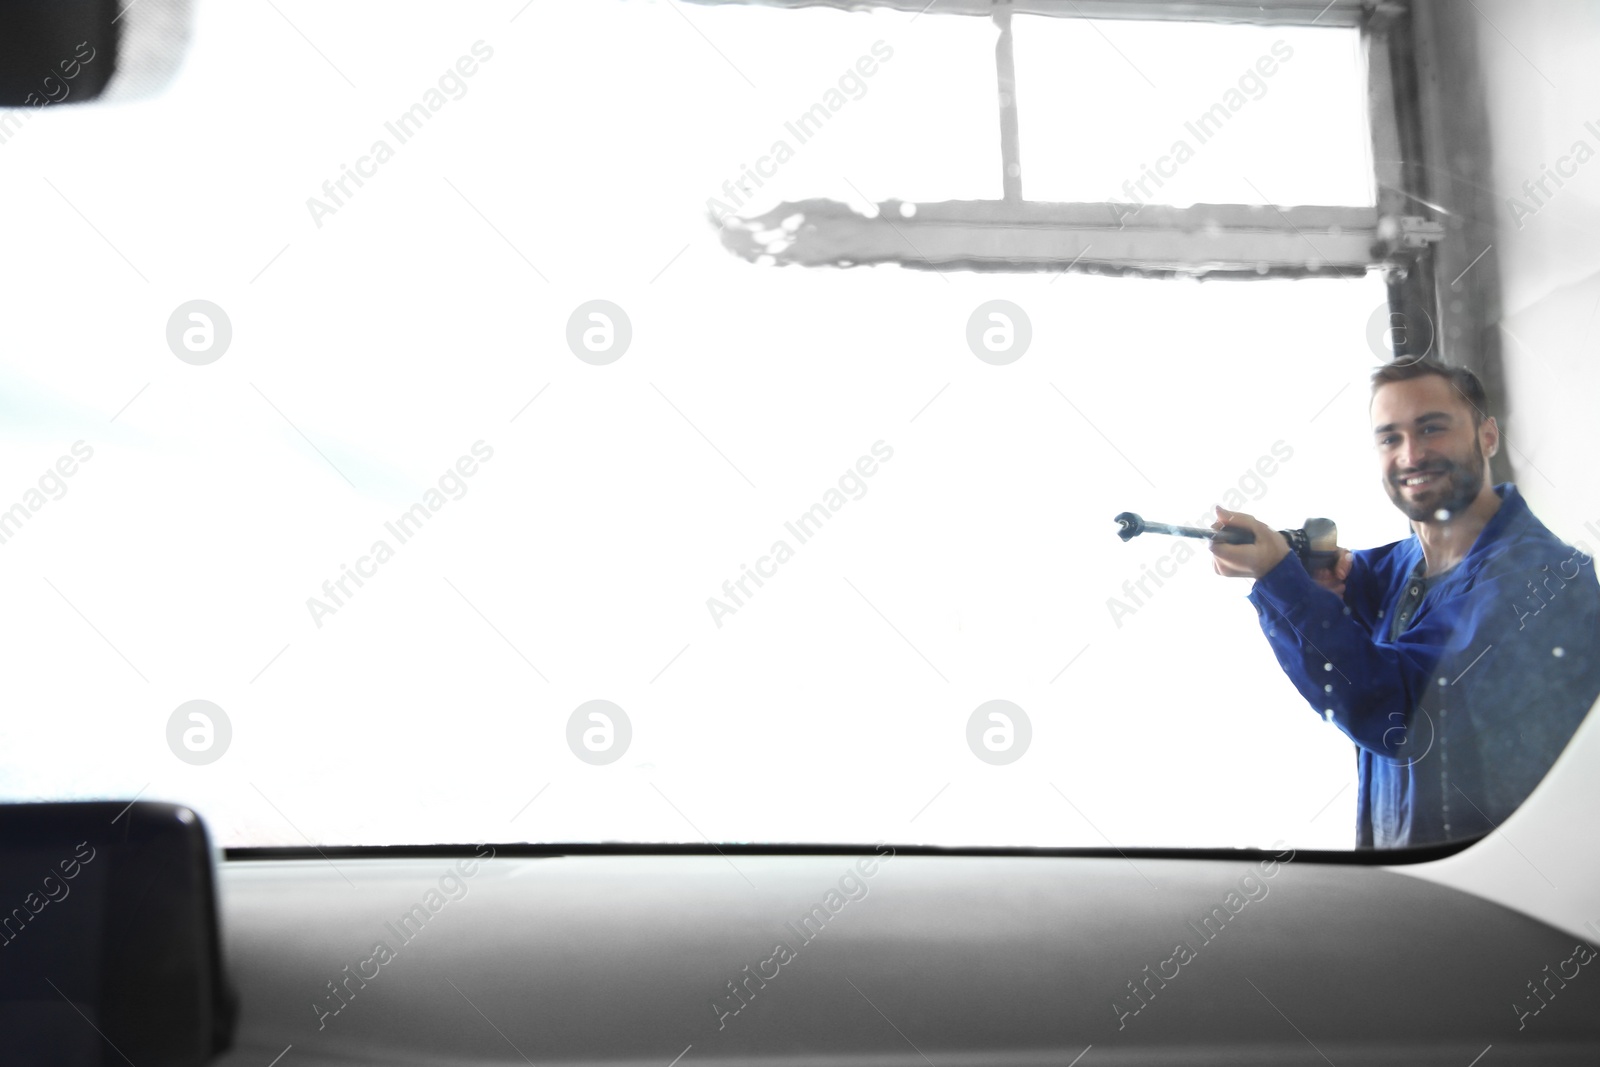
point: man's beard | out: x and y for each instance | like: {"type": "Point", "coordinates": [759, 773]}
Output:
{"type": "Point", "coordinates": [1459, 488]}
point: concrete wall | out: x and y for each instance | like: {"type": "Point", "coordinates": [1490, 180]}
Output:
{"type": "Point", "coordinates": [1537, 61]}
{"type": "Point", "coordinates": [1542, 89]}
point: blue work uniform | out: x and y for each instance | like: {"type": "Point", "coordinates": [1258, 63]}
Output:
{"type": "Point", "coordinates": [1459, 690]}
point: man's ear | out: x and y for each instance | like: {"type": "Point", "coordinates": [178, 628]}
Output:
{"type": "Point", "coordinates": [1491, 436]}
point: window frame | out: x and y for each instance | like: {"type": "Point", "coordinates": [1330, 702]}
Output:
{"type": "Point", "coordinates": [1211, 240]}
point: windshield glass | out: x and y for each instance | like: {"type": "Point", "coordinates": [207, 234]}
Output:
{"type": "Point", "coordinates": [399, 448]}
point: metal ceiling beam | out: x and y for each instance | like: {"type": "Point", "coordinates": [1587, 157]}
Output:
{"type": "Point", "coordinates": [1252, 12]}
{"type": "Point", "coordinates": [1206, 240]}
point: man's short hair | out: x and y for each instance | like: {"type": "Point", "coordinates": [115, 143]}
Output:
{"type": "Point", "coordinates": [1466, 384]}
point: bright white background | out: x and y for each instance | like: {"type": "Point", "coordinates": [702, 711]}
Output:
{"type": "Point", "coordinates": [369, 353]}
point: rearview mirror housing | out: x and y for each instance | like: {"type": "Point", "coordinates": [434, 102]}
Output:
{"type": "Point", "coordinates": [109, 943]}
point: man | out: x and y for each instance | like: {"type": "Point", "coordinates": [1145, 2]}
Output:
{"type": "Point", "coordinates": [1460, 660]}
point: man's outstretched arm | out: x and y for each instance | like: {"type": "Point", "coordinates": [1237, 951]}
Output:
{"type": "Point", "coordinates": [1372, 691]}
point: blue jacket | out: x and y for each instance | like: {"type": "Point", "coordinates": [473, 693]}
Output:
{"type": "Point", "coordinates": [1459, 718]}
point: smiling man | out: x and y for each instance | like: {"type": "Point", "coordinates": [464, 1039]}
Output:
{"type": "Point", "coordinates": [1460, 660]}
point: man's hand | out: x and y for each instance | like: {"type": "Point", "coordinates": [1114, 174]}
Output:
{"type": "Point", "coordinates": [1248, 561]}
{"type": "Point", "coordinates": [1333, 580]}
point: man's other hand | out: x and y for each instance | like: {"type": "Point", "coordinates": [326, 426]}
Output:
{"type": "Point", "coordinates": [1247, 561]}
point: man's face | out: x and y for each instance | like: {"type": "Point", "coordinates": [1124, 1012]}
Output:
{"type": "Point", "coordinates": [1429, 453]}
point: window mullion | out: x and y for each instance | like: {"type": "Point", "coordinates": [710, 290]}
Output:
{"type": "Point", "coordinates": [1006, 71]}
